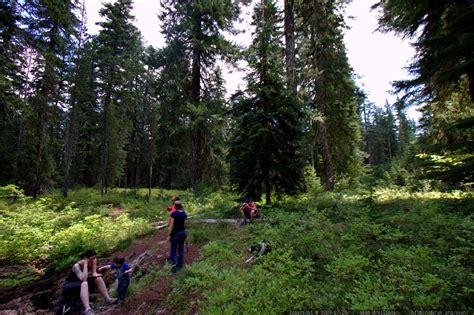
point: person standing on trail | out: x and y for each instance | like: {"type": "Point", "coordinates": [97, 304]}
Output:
{"type": "Point", "coordinates": [81, 283]}
{"type": "Point", "coordinates": [122, 271]}
{"type": "Point", "coordinates": [249, 211]}
{"type": "Point", "coordinates": [177, 234]}
{"type": "Point", "coordinates": [172, 209]}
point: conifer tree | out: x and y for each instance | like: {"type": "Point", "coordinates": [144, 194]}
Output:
{"type": "Point", "coordinates": [118, 49]}
{"type": "Point", "coordinates": [172, 94]}
{"type": "Point", "coordinates": [381, 135]}
{"type": "Point", "coordinates": [51, 25]}
{"type": "Point", "coordinates": [85, 155]}
{"type": "Point", "coordinates": [329, 91]}
{"type": "Point", "coordinates": [198, 26]}
{"type": "Point", "coordinates": [442, 31]}
{"type": "Point", "coordinates": [443, 80]}
{"type": "Point", "coordinates": [11, 81]}
{"type": "Point", "coordinates": [265, 153]}
{"type": "Point", "coordinates": [77, 91]}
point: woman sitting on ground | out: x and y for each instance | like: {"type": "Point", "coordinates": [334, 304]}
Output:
{"type": "Point", "coordinates": [79, 282]}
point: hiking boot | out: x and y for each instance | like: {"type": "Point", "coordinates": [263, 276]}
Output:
{"type": "Point", "coordinates": [111, 301]}
{"type": "Point", "coordinates": [89, 311]}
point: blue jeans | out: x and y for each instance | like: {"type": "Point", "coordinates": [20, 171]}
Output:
{"type": "Point", "coordinates": [177, 242]}
{"type": "Point", "coordinates": [122, 288]}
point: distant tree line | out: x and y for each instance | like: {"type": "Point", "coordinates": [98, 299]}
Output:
{"type": "Point", "coordinates": [82, 110]}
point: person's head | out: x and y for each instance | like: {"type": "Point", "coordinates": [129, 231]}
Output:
{"type": "Point", "coordinates": [178, 204]}
{"type": "Point", "coordinates": [246, 199]}
{"type": "Point", "coordinates": [90, 255]}
{"type": "Point", "coordinates": [174, 199]}
{"type": "Point", "coordinates": [119, 261]}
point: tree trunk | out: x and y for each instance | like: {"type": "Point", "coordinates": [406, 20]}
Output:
{"type": "Point", "coordinates": [196, 142]}
{"type": "Point", "coordinates": [69, 147]}
{"type": "Point", "coordinates": [290, 48]}
{"type": "Point", "coordinates": [19, 147]}
{"type": "Point", "coordinates": [39, 155]}
{"type": "Point", "coordinates": [104, 160]}
{"type": "Point", "coordinates": [150, 172]}
{"type": "Point", "coordinates": [268, 191]}
{"type": "Point", "coordinates": [323, 144]}
{"type": "Point", "coordinates": [470, 74]}
{"type": "Point", "coordinates": [401, 132]}
{"type": "Point", "coordinates": [366, 137]}
{"type": "Point", "coordinates": [41, 103]}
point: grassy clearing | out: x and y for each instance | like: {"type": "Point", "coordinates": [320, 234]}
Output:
{"type": "Point", "coordinates": [54, 230]}
{"type": "Point", "coordinates": [384, 248]}
{"type": "Point", "coordinates": [389, 249]}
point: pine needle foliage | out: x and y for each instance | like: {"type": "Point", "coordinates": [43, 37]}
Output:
{"type": "Point", "coordinates": [265, 153]}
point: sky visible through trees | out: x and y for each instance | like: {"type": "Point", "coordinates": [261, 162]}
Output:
{"type": "Point", "coordinates": [377, 59]}
{"type": "Point", "coordinates": [209, 105]}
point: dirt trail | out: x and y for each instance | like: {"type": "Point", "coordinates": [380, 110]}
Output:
{"type": "Point", "coordinates": [149, 251]}
{"type": "Point", "coordinates": [143, 254]}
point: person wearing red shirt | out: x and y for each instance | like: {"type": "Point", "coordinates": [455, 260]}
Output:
{"type": "Point", "coordinates": [249, 211]}
{"type": "Point", "coordinates": [172, 208]}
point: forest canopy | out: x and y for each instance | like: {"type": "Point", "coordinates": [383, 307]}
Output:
{"type": "Point", "coordinates": [104, 110]}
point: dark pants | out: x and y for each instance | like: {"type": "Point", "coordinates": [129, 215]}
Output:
{"type": "Point", "coordinates": [74, 287]}
{"type": "Point", "coordinates": [177, 242]}
{"type": "Point", "coordinates": [122, 288]}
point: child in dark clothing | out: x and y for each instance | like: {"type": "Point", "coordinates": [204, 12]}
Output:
{"type": "Point", "coordinates": [123, 272]}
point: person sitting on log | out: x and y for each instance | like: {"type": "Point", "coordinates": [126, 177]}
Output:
{"type": "Point", "coordinates": [83, 279]}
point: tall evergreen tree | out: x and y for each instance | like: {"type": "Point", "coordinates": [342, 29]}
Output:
{"type": "Point", "coordinates": [172, 93]}
{"type": "Point", "coordinates": [265, 153]}
{"type": "Point", "coordinates": [11, 81]}
{"type": "Point", "coordinates": [51, 24]}
{"type": "Point", "coordinates": [77, 81]}
{"type": "Point", "coordinates": [442, 31]}
{"type": "Point", "coordinates": [290, 50]}
{"type": "Point", "coordinates": [447, 137]}
{"type": "Point", "coordinates": [443, 72]}
{"type": "Point", "coordinates": [86, 134]}
{"type": "Point", "coordinates": [381, 135]}
{"type": "Point", "coordinates": [118, 49]}
{"type": "Point", "coordinates": [329, 90]}
{"type": "Point", "coordinates": [199, 27]}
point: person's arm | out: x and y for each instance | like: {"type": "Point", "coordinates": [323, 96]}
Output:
{"type": "Point", "coordinates": [170, 225]}
{"type": "Point", "coordinates": [81, 274]}
{"type": "Point", "coordinates": [106, 267]}
{"type": "Point", "coordinates": [128, 270]}
{"type": "Point", "coordinates": [94, 269]}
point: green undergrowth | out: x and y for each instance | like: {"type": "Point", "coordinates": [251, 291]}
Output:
{"type": "Point", "coordinates": [383, 250]}
{"type": "Point", "coordinates": [359, 249]}
{"type": "Point", "coordinates": [24, 276]}
{"type": "Point", "coordinates": [52, 230]}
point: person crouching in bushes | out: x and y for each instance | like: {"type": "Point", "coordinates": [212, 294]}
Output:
{"type": "Point", "coordinates": [81, 283]}
{"type": "Point", "coordinates": [123, 272]}
{"type": "Point", "coordinates": [249, 211]}
{"type": "Point", "coordinates": [177, 234]}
